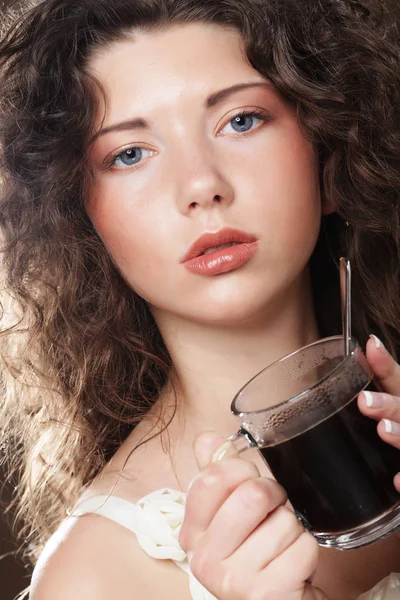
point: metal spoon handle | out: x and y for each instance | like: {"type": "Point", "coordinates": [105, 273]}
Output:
{"type": "Point", "coordinates": [345, 290]}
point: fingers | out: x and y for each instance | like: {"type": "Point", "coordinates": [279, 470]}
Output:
{"type": "Point", "coordinates": [270, 539]}
{"type": "Point", "coordinates": [241, 514]}
{"type": "Point", "coordinates": [284, 574]}
{"type": "Point", "coordinates": [277, 556]}
{"type": "Point", "coordinates": [384, 366]}
{"type": "Point", "coordinates": [207, 492]}
{"type": "Point", "coordinates": [302, 556]}
{"type": "Point", "coordinates": [389, 431]}
{"type": "Point", "coordinates": [379, 405]}
{"type": "Point", "coordinates": [383, 406]}
{"type": "Point", "coordinates": [386, 409]}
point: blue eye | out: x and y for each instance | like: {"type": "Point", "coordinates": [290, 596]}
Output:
{"type": "Point", "coordinates": [242, 123]}
{"type": "Point", "coordinates": [246, 121]}
{"type": "Point", "coordinates": [129, 157]}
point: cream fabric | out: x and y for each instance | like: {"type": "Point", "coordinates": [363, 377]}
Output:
{"type": "Point", "coordinates": [388, 589]}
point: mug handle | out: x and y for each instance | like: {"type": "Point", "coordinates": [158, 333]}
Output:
{"type": "Point", "coordinates": [234, 445]}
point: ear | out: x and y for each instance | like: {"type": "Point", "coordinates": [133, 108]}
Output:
{"type": "Point", "coordinates": [328, 209]}
{"type": "Point", "coordinates": [327, 206]}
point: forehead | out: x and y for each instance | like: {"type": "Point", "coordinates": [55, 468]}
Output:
{"type": "Point", "coordinates": [163, 65]}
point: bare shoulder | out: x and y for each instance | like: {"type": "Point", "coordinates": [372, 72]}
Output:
{"type": "Point", "coordinates": [93, 558]}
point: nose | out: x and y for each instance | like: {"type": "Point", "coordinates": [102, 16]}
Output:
{"type": "Point", "coordinates": [202, 185]}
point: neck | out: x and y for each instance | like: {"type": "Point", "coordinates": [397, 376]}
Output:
{"type": "Point", "coordinates": [211, 363]}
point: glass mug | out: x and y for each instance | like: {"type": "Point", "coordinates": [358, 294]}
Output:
{"type": "Point", "coordinates": [337, 471]}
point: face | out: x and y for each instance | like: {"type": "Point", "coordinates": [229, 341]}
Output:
{"type": "Point", "coordinates": [193, 141]}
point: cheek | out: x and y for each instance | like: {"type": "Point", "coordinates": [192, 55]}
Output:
{"type": "Point", "coordinates": [287, 201]}
{"type": "Point", "coordinates": [128, 232]}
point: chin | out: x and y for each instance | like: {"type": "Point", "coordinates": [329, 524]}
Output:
{"type": "Point", "coordinates": [230, 317]}
{"type": "Point", "coordinates": [232, 306]}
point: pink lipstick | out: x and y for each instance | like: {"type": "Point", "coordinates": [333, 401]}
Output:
{"type": "Point", "coordinates": [220, 252]}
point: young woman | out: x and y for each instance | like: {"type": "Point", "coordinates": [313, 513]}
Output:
{"type": "Point", "coordinates": [179, 180]}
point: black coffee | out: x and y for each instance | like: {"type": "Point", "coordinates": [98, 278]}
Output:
{"type": "Point", "coordinates": [340, 473]}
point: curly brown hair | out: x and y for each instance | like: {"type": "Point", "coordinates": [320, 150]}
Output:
{"type": "Point", "coordinates": [82, 358]}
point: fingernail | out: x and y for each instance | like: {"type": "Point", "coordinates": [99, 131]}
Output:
{"type": "Point", "coordinates": [378, 344]}
{"type": "Point", "coordinates": [392, 427]}
{"type": "Point", "coordinates": [227, 450]}
{"type": "Point", "coordinates": [373, 400]}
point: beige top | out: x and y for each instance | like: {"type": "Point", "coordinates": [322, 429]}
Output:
{"type": "Point", "coordinates": [156, 520]}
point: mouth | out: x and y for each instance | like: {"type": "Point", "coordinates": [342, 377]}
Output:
{"type": "Point", "coordinates": [221, 247]}
{"type": "Point", "coordinates": [209, 243]}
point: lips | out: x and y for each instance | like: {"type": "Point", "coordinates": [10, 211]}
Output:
{"type": "Point", "coordinates": [220, 252]}
{"type": "Point", "coordinates": [214, 240]}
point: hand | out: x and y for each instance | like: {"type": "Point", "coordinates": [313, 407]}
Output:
{"type": "Point", "coordinates": [242, 542]}
{"type": "Point", "coordinates": [384, 407]}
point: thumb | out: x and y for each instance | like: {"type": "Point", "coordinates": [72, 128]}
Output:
{"type": "Point", "coordinates": [209, 447]}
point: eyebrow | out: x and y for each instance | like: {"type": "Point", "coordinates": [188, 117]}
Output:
{"type": "Point", "coordinates": [128, 125]}
{"type": "Point", "coordinates": [218, 97]}
{"type": "Point", "coordinates": [211, 101]}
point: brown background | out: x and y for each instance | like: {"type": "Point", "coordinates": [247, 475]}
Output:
{"type": "Point", "coordinates": [13, 577]}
